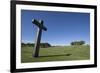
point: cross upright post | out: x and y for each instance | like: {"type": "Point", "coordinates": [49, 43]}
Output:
{"type": "Point", "coordinates": [39, 24]}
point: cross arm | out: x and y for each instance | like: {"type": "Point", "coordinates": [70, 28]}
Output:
{"type": "Point", "coordinates": [39, 24]}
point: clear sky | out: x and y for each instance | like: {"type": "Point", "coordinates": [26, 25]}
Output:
{"type": "Point", "coordinates": [62, 27]}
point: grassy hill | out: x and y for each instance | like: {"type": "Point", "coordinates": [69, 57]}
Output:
{"type": "Point", "coordinates": [56, 54]}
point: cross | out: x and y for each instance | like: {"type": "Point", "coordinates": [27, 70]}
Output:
{"type": "Point", "coordinates": [39, 24]}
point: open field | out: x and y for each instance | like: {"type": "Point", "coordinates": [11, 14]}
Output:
{"type": "Point", "coordinates": [56, 54]}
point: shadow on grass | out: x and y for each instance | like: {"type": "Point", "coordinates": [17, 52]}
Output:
{"type": "Point", "coordinates": [56, 55]}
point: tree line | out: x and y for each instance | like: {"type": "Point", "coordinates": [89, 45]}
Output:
{"type": "Point", "coordinates": [45, 45]}
{"type": "Point", "coordinates": [42, 45]}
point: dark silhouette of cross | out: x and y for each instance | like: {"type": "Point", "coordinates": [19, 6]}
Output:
{"type": "Point", "coordinates": [39, 24]}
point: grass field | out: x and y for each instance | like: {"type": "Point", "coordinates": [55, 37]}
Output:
{"type": "Point", "coordinates": [56, 54]}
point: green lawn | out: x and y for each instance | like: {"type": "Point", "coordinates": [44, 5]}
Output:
{"type": "Point", "coordinates": [56, 54]}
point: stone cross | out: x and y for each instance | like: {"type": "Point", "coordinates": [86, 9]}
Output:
{"type": "Point", "coordinates": [39, 24]}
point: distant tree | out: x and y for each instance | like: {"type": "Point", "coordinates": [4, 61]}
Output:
{"type": "Point", "coordinates": [72, 43]}
{"type": "Point", "coordinates": [82, 42]}
{"type": "Point", "coordinates": [45, 45]}
{"type": "Point", "coordinates": [27, 44]}
{"type": "Point", "coordinates": [77, 43]}
{"type": "Point", "coordinates": [30, 44]}
{"type": "Point", "coordinates": [23, 44]}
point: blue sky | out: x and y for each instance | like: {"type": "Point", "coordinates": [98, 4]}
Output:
{"type": "Point", "coordinates": [62, 27]}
